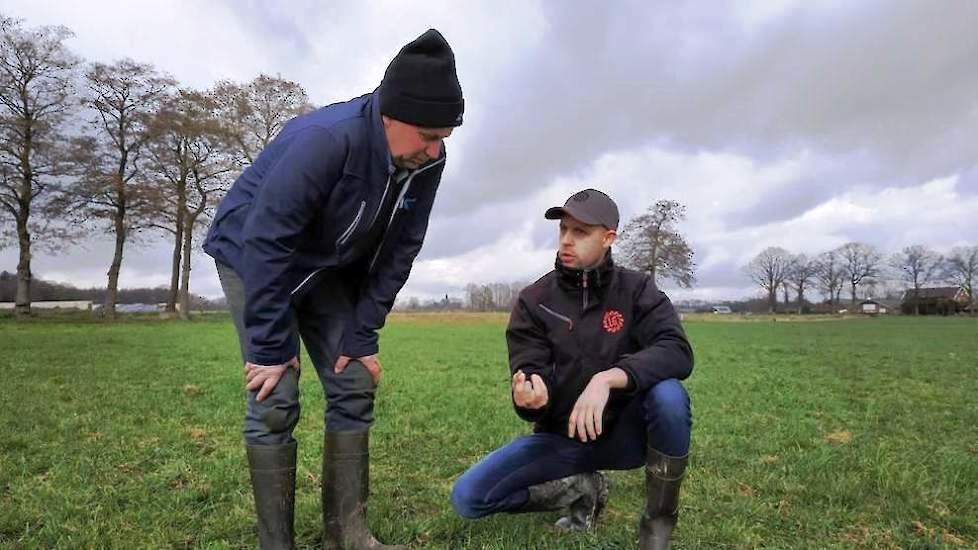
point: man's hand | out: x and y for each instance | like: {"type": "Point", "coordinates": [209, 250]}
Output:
{"type": "Point", "coordinates": [529, 394]}
{"type": "Point", "coordinates": [369, 361]}
{"type": "Point", "coordinates": [585, 419]}
{"type": "Point", "coordinates": [266, 376]}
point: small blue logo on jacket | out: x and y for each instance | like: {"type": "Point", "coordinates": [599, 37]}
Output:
{"type": "Point", "coordinates": [406, 203]}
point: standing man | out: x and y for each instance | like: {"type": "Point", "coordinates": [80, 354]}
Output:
{"type": "Point", "coordinates": [597, 353]}
{"type": "Point", "coordinates": [313, 242]}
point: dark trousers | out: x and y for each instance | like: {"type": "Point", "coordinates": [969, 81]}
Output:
{"type": "Point", "coordinates": [319, 320]}
{"type": "Point", "coordinates": [499, 482]}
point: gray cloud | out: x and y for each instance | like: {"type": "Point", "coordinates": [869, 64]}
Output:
{"type": "Point", "coordinates": [704, 104]}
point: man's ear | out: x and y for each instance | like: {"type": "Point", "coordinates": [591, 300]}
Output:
{"type": "Point", "coordinates": [609, 238]}
{"type": "Point", "coordinates": [386, 120]}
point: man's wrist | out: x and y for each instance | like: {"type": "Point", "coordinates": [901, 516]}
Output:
{"type": "Point", "coordinates": [613, 378]}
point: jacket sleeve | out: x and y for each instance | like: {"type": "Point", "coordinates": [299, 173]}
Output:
{"type": "Point", "coordinates": [530, 352]}
{"type": "Point", "coordinates": [393, 266]}
{"type": "Point", "coordinates": [293, 191]}
{"type": "Point", "coordinates": [665, 351]}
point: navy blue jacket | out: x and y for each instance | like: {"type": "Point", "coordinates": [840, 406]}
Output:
{"type": "Point", "coordinates": [303, 207]}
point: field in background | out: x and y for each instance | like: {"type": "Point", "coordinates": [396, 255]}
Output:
{"type": "Point", "coordinates": [856, 433]}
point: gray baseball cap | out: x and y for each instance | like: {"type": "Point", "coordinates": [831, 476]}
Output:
{"type": "Point", "coordinates": [589, 206]}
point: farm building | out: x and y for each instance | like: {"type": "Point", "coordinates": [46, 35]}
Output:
{"type": "Point", "coordinates": [873, 307]}
{"type": "Point", "coordinates": [946, 300]}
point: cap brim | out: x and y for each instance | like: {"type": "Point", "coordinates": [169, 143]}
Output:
{"type": "Point", "coordinates": [555, 213]}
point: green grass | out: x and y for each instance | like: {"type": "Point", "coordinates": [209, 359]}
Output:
{"type": "Point", "coordinates": [856, 433]}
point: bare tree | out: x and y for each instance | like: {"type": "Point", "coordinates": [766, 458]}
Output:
{"type": "Point", "coordinates": [961, 268]}
{"type": "Point", "coordinates": [255, 112]}
{"type": "Point", "coordinates": [829, 275]}
{"type": "Point", "coordinates": [860, 263]}
{"type": "Point", "coordinates": [769, 269]}
{"type": "Point", "coordinates": [121, 98]}
{"type": "Point", "coordinates": [188, 151]}
{"type": "Point", "coordinates": [36, 71]}
{"type": "Point", "coordinates": [917, 266]}
{"type": "Point", "coordinates": [652, 243]}
{"type": "Point", "coordinates": [801, 271]}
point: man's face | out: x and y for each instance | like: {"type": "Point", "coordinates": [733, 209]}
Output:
{"type": "Point", "coordinates": [410, 145]}
{"type": "Point", "coordinates": [583, 246]}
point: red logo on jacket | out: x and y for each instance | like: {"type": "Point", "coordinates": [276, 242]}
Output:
{"type": "Point", "coordinates": [613, 321]}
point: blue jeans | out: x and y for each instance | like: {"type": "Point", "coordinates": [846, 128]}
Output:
{"type": "Point", "coordinates": [498, 483]}
{"type": "Point", "coordinates": [320, 318]}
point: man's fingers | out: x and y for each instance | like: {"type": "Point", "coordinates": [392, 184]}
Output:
{"type": "Point", "coordinates": [539, 388]}
{"type": "Point", "coordinates": [254, 384]}
{"type": "Point", "coordinates": [374, 369]}
{"type": "Point", "coordinates": [341, 364]}
{"type": "Point", "coordinates": [589, 424]}
{"type": "Point", "coordinates": [598, 419]}
{"type": "Point", "coordinates": [572, 423]}
{"type": "Point", "coordinates": [582, 427]}
{"type": "Point", "coordinates": [267, 387]}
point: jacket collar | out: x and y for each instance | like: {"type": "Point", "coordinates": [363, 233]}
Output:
{"type": "Point", "coordinates": [597, 277]}
{"type": "Point", "coordinates": [378, 138]}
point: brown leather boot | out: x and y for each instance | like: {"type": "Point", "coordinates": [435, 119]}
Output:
{"type": "Point", "coordinates": [346, 476]}
{"type": "Point", "coordinates": [663, 476]}
{"type": "Point", "coordinates": [273, 483]}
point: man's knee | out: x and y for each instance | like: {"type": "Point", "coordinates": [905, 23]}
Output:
{"type": "Point", "coordinates": [667, 402]}
{"type": "Point", "coordinates": [350, 398]}
{"type": "Point", "coordinates": [271, 421]}
{"type": "Point", "coordinates": [467, 502]}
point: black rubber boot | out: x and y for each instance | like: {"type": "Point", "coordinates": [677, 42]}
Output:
{"type": "Point", "coordinates": [582, 496]}
{"type": "Point", "coordinates": [346, 486]}
{"type": "Point", "coordinates": [663, 476]}
{"type": "Point", "coordinates": [273, 482]}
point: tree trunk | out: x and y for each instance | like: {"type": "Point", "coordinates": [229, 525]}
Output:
{"type": "Point", "coordinates": [853, 294]}
{"type": "Point", "coordinates": [112, 291]}
{"type": "Point", "coordinates": [188, 236]}
{"type": "Point", "coordinates": [22, 307]}
{"type": "Point", "coordinates": [801, 298]}
{"type": "Point", "coordinates": [772, 299]}
{"type": "Point", "coordinates": [171, 301]}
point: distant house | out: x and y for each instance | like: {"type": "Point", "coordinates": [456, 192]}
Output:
{"type": "Point", "coordinates": [722, 309]}
{"type": "Point", "coordinates": [873, 307]}
{"type": "Point", "coordinates": [945, 300]}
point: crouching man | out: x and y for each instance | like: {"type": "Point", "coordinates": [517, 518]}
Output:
{"type": "Point", "coordinates": [596, 352]}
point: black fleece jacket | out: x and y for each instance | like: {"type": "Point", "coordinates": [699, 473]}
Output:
{"type": "Point", "coordinates": [572, 324]}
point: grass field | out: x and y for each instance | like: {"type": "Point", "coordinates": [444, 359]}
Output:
{"type": "Point", "coordinates": [847, 434]}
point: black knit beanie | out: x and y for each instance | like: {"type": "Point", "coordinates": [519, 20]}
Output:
{"type": "Point", "coordinates": [420, 86]}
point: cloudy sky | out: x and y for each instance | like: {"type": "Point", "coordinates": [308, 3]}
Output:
{"type": "Point", "coordinates": [778, 123]}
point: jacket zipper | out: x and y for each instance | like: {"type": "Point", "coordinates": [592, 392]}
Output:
{"type": "Point", "coordinates": [304, 281]}
{"type": "Point", "coordinates": [564, 318]}
{"type": "Point", "coordinates": [349, 230]}
{"type": "Point", "coordinates": [584, 296]}
{"type": "Point", "coordinates": [380, 205]}
{"type": "Point", "coordinates": [397, 203]}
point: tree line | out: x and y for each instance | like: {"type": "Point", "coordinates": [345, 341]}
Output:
{"type": "Point", "coordinates": [855, 268]}
{"type": "Point", "coordinates": [120, 149]}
